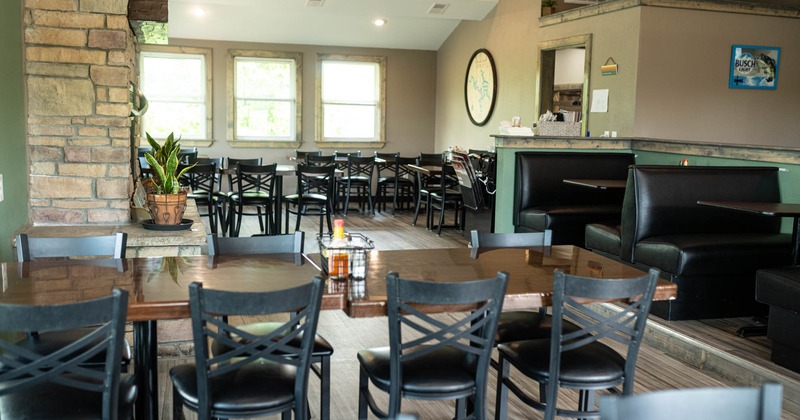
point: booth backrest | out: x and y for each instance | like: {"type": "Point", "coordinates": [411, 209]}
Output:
{"type": "Point", "coordinates": [539, 178]}
{"type": "Point", "coordinates": [662, 200]}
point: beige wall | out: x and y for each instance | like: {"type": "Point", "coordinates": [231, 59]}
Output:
{"type": "Point", "coordinates": [672, 81]}
{"type": "Point", "coordinates": [410, 85]}
{"type": "Point", "coordinates": [683, 79]}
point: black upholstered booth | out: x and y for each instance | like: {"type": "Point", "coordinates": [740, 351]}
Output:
{"type": "Point", "coordinates": [780, 289]}
{"type": "Point", "coordinates": [543, 201]}
{"type": "Point", "coordinates": [712, 254]}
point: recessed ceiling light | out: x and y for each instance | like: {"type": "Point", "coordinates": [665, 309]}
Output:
{"type": "Point", "coordinates": [199, 11]}
{"type": "Point", "coordinates": [379, 22]}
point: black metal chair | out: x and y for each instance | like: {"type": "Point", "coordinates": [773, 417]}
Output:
{"type": "Point", "coordinates": [255, 187]}
{"type": "Point", "coordinates": [300, 155]}
{"type": "Point", "coordinates": [577, 359]}
{"type": "Point", "coordinates": [57, 385]}
{"type": "Point", "coordinates": [446, 195]}
{"type": "Point", "coordinates": [290, 243]}
{"type": "Point", "coordinates": [203, 181]}
{"type": "Point", "coordinates": [314, 196]}
{"type": "Point", "coordinates": [341, 158]}
{"type": "Point", "coordinates": [320, 160]}
{"type": "Point", "coordinates": [223, 197]}
{"type": "Point", "coordinates": [424, 183]}
{"type": "Point", "coordinates": [385, 168]}
{"type": "Point", "coordinates": [255, 377]}
{"type": "Point", "coordinates": [358, 180]}
{"type": "Point", "coordinates": [697, 404]}
{"type": "Point", "coordinates": [30, 248]}
{"type": "Point", "coordinates": [395, 177]}
{"type": "Point", "coordinates": [429, 357]}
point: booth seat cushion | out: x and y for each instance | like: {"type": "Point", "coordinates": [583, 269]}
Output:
{"type": "Point", "coordinates": [603, 237]}
{"type": "Point", "coordinates": [567, 221]}
{"type": "Point", "coordinates": [779, 287]}
{"type": "Point", "coordinates": [714, 253]}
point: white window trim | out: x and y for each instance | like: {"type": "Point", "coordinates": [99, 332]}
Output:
{"type": "Point", "coordinates": [268, 143]}
{"type": "Point", "coordinates": [207, 53]}
{"type": "Point", "coordinates": [380, 140]}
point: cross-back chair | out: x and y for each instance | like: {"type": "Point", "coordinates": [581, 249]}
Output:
{"type": "Point", "coordinates": [577, 360]}
{"type": "Point", "coordinates": [359, 181]}
{"type": "Point", "coordinates": [203, 180]}
{"type": "Point", "coordinates": [255, 187]}
{"type": "Point", "coordinates": [300, 155]}
{"type": "Point", "coordinates": [446, 195]}
{"type": "Point", "coordinates": [57, 384]}
{"type": "Point", "coordinates": [424, 183]}
{"type": "Point", "coordinates": [432, 357]}
{"type": "Point", "coordinates": [254, 377]}
{"type": "Point", "coordinates": [33, 248]}
{"type": "Point", "coordinates": [314, 196]}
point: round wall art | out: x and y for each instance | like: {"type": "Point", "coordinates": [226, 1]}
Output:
{"type": "Point", "coordinates": [480, 87]}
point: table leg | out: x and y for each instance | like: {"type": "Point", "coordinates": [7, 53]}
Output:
{"type": "Point", "coordinates": [795, 242]}
{"type": "Point", "coordinates": [278, 202]}
{"type": "Point", "coordinates": [146, 369]}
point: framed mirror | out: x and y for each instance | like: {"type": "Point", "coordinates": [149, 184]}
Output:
{"type": "Point", "coordinates": [554, 94]}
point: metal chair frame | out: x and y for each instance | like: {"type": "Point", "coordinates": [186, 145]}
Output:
{"type": "Point", "coordinates": [255, 186]}
{"type": "Point", "coordinates": [314, 196]}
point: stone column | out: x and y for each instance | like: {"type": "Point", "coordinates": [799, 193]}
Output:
{"type": "Point", "coordinates": [79, 62]}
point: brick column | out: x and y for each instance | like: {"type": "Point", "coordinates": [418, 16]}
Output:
{"type": "Point", "coordinates": [79, 61]}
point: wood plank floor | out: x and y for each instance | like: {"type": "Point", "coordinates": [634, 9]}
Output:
{"type": "Point", "coordinates": [677, 355]}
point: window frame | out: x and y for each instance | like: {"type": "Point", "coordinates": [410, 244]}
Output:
{"type": "Point", "coordinates": [206, 53]}
{"type": "Point", "coordinates": [380, 124]}
{"type": "Point", "coordinates": [231, 84]}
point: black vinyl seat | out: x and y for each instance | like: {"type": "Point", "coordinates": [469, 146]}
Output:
{"type": "Point", "coordinates": [57, 385]}
{"type": "Point", "coordinates": [359, 181]}
{"type": "Point", "coordinates": [434, 358]}
{"type": "Point", "coordinates": [255, 377]}
{"type": "Point", "coordinates": [762, 403]}
{"type": "Point", "coordinates": [30, 248]}
{"type": "Point", "coordinates": [255, 187]}
{"type": "Point", "coordinates": [314, 195]}
{"type": "Point", "coordinates": [577, 359]}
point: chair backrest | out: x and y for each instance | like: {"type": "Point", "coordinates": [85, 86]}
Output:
{"type": "Point", "coordinates": [300, 155]}
{"type": "Point", "coordinates": [256, 178]}
{"type": "Point", "coordinates": [697, 404]}
{"type": "Point", "coordinates": [387, 168]}
{"type": "Point", "coordinates": [202, 178]}
{"type": "Point", "coordinates": [232, 163]}
{"type": "Point", "coordinates": [431, 159]}
{"type": "Point", "coordinates": [403, 170]}
{"type": "Point", "coordinates": [471, 190]}
{"type": "Point", "coordinates": [482, 241]}
{"type": "Point", "coordinates": [315, 179]}
{"type": "Point", "coordinates": [24, 371]}
{"type": "Point", "coordinates": [29, 248]}
{"type": "Point", "coordinates": [471, 332]}
{"type": "Point", "coordinates": [573, 298]}
{"type": "Point", "coordinates": [275, 244]}
{"type": "Point", "coordinates": [362, 167]}
{"type": "Point", "coordinates": [320, 160]}
{"type": "Point", "coordinates": [187, 155]}
{"type": "Point", "coordinates": [347, 154]}
{"type": "Point", "coordinates": [206, 160]}
{"type": "Point", "coordinates": [210, 307]}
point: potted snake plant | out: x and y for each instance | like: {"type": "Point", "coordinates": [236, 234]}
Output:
{"type": "Point", "coordinates": [166, 198]}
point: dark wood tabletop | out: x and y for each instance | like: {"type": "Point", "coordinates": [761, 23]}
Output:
{"type": "Point", "coordinates": [531, 273]}
{"type": "Point", "coordinates": [766, 209]}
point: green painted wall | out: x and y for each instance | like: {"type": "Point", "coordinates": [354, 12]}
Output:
{"type": "Point", "coordinates": [789, 178]}
{"type": "Point", "coordinates": [13, 161]}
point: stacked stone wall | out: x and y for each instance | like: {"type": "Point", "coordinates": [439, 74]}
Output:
{"type": "Point", "coordinates": [79, 63]}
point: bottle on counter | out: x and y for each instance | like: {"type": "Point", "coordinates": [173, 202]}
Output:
{"type": "Point", "coordinates": [338, 260]}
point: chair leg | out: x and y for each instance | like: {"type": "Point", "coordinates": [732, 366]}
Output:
{"type": "Point", "coordinates": [363, 390]}
{"type": "Point", "coordinates": [501, 396]}
{"type": "Point", "coordinates": [416, 209]}
{"type": "Point", "coordinates": [325, 388]}
{"type": "Point", "coordinates": [461, 408]}
{"type": "Point", "coordinates": [177, 405]}
{"type": "Point", "coordinates": [369, 199]}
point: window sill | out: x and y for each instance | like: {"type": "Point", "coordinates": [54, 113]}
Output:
{"type": "Point", "coordinates": [265, 144]}
{"type": "Point", "coordinates": [350, 144]}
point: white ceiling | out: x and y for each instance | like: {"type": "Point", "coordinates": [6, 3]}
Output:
{"type": "Point", "coordinates": [336, 22]}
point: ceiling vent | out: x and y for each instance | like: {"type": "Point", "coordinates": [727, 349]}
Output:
{"type": "Point", "coordinates": [314, 3]}
{"type": "Point", "coordinates": [438, 8]}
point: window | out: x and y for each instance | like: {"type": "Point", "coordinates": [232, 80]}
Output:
{"type": "Point", "coordinates": [264, 102]}
{"type": "Point", "coordinates": [351, 100]}
{"type": "Point", "coordinates": [177, 84]}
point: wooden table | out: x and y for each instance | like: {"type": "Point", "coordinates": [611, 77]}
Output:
{"type": "Point", "coordinates": [158, 290]}
{"type": "Point", "coordinates": [599, 184]}
{"type": "Point", "coordinates": [531, 273]}
{"type": "Point", "coordinates": [767, 209]}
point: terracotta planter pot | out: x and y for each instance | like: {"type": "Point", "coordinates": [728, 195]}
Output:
{"type": "Point", "coordinates": [548, 10]}
{"type": "Point", "coordinates": [167, 209]}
